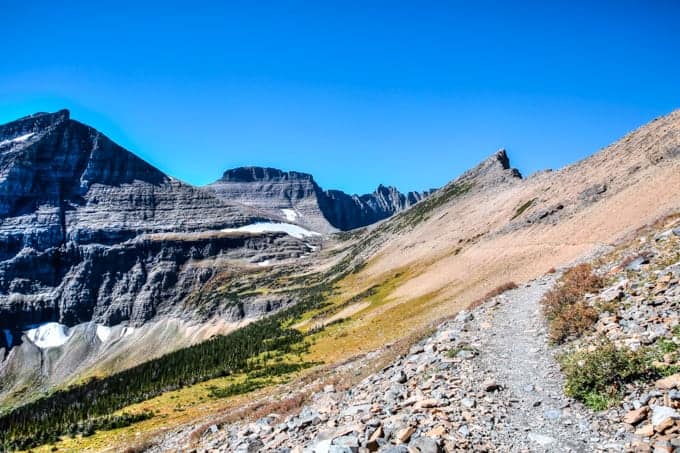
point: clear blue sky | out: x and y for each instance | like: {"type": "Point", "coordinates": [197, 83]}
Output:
{"type": "Point", "coordinates": [409, 94]}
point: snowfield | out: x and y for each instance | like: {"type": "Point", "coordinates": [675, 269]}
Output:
{"type": "Point", "coordinates": [103, 332]}
{"type": "Point", "coordinates": [291, 214]}
{"type": "Point", "coordinates": [19, 139]}
{"type": "Point", "coordinates": [271, 227]}
{"type": "Point", "coordinates": [48, 335]}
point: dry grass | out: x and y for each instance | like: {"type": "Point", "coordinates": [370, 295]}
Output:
{"type": "Point", "coordinates": [497, 291]}
{"type": "Point", "coordinates": [564, 306]}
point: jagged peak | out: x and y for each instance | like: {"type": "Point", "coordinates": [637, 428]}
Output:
{"type": "Point", "coordinates": [495, 168]}
{"type": "Point", "coordinates": [34, 123]}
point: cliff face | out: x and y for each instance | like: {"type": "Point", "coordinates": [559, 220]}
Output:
{"type": "Point", "coordinates": [62, 181]}
{"type": "Point", "coordinates": [298, 198]}
{"type": "Point", "coordinates": [80, 219]}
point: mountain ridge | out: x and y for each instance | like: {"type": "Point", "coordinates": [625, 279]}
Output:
{"type": "Point", "coordinates": [325, 210]}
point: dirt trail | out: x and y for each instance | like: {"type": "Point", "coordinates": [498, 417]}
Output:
{"type": "Point", "coordinates": [515, 350]}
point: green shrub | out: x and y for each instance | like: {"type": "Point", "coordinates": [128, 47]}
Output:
{"type": "Point", "coordinates": [520, 210]}
{"type": "Point", "coordinates": [598, 377]}
{"type": "Point", "coordinates": [237, 388]}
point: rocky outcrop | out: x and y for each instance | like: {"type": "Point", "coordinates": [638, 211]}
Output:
{"type": "Point", "coordinates": [133, 281]}
{"type": "Point", "coordinates": [492, 171]}
{"type": "Point", "coordinates": [297, 198]}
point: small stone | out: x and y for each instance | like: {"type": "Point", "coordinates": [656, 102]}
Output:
{"type": "Point", "coordinates": [465, 354]}
{"type": "Point", "coordinates": [350, 443]}
{"type": "Point", "coordinates": [427, 404]}
{"type": "Point", "coordinates": [663, 446]}
{"type": "Point", "coordinates": [437, 431]}
{"type": "Point", "coordinates": [664, 425]}
{"type": "Point", "coordinates": [636, 416]}
{"type": "Point", "coordinates": [430, 348]}
{"type": "Point", "coordinates": [645, 431]}
{"type": "Point", "coordinates": [405, 434]}
{"type": "Point", "coordinates": [372, 443]}
{"type": "Point", "coordinates": [464, 316]}
{"type": "Point", "coordinates": [670, 382]}
{"type": "Point", "coordinates": [552, 414]}
{"type": "Point", "coordinates": [661, 413]}
{"type": "Point", "coordinates": [399, 377]}
{"type": "Point", "coordinates": [541, 439]}
{"type": "Point", "coordinates": [424, 445]}
{"type": "Point", "coordinates": [490, 385]}
{"type": "Point", "coordinates": [468, 402]}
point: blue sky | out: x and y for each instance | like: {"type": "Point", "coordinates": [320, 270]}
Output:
{"type": "Point", "coordinates": [402, 93]}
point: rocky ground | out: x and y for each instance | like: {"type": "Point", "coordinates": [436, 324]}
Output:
{"type": "Point", "coordinates": [643, 314]}
{"type": "Point", "coordinates": [486, 381]}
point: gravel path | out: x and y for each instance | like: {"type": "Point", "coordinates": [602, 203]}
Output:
{"type": "Point", "coordinates": [515, 350]}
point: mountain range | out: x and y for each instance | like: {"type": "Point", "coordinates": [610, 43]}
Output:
{"type": "Point", "coordinates": [301, 199]}
{"type": "Point", "coordinates": [107, 263]}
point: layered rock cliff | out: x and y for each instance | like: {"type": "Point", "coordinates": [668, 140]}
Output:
{"type": "Point", "coordinates": [84, 229]}
{"type": "Point", "coordinates": [298, 198]}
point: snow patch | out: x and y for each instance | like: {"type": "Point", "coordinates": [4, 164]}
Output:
{"type": "Point", "coordinates": [19, 139]}
{"type": "Point", "coordinates": [263, 227]}
{"type": "Point", "coordinates": [263, 263]}
{"type": "Point", "coordinates": [103, 332]}
{"type": "Point", "coordinates": [8, 337]}
{"type": "Point", "coordinates": [48, 335]}
{"type": "Point", "coordinates": [128, 331]}
{"type": "Point", "coordinates": [291, 214]}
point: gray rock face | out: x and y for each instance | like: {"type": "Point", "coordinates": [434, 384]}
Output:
{"type": "Point", "coordinates": [132, 281]}
{"type": "Point", "coordinates": [85, 229]}
{"type": "Point", "coordinates": [69, 183]}
{"type": "Point", "coordinates": [308, 204]}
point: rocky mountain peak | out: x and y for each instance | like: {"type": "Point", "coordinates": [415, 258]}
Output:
{"type": "Point", "coordinates": [61, 181]}
{"type": "Point", "coordinates": [32, 124]}
{"type": "Point", "coordinates": [494, 170]}
{"type": "Point", "coordinates": [262, 174]}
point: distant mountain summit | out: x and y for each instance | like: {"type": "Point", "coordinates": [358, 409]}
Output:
{"type": "Point", "coordinates": [298, 198]}
{"type": "Point", "coordinates": [62, 181]}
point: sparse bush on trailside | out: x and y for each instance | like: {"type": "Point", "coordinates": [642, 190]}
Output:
{"type": "Point", "coordinates": [598, 377]}
{"type": "Point", "coordinates": [497, 291]}
{"type": "Point", "coordinates": [564, 306]}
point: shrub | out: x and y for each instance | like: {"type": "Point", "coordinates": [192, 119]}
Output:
{"type": "Point", "coordinates": [567, 313]}
{"type": "Point", "coordinates": [597, 378]}
{"type": "Point", "coordinates": [500, 289]}
{"type": "Point", "coordinates": [520, 210]}
{"type": "Point", "coordinates": [572, 322]}
{"type": "Point", "coordinates": [581, 278]}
